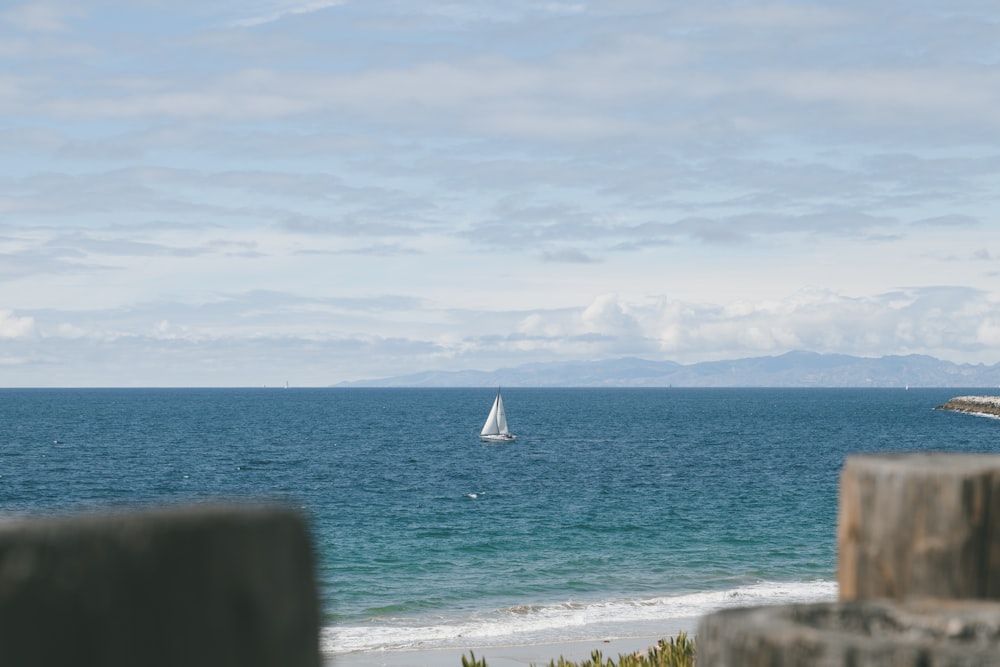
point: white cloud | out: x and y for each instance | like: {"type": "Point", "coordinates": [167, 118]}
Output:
{"type": "Point", "coordinates": [911, 96]}
{"type": "Point", "coordinates": [65, 330]}
{"type": "Point", "coordinates": [39, 16]}
{"type": "Point", "coordinates": [243, 338]}
{"type": "Point", "coordinates": [935, 321]}
{"type": "Point", "coordinates": [606, 315]}
{"type": "Point", "coordinates": [988, 332]}
{"type": "Point", "coordinates": [463, 184]}
{"type": "Point", "coordinates": [13, 326]}
{"type": "Point", "coordinates": [285, 9]}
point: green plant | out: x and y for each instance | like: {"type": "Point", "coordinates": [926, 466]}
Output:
{"type": "Point", "coordinates": [472, 662]}
{"type": "Point", "coordinates": [677, 652]}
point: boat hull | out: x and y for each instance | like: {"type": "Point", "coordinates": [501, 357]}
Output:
{"type": "Point", "coordinates": [499, 437]}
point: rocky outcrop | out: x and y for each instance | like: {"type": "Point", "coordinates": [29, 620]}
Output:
{"type": "Point", "coordinates": [984, 405]}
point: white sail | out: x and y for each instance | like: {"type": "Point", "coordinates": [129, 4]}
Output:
{"type": "Point", "coordinates": [501, 417]}
{"type": "Point", "coordinates": [491, 427]}
{"type": "Point", "coordinates": [495, 427]}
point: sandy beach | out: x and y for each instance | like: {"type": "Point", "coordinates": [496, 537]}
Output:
{"type": "Point", "coordinates": [512, 656]}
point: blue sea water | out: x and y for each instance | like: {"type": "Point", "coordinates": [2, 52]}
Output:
{"type": "Point", "coordinates": [614, 511]}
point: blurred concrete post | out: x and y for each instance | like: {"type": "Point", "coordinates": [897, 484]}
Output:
{"type": "Point", "coordinates": [203, 585]}
{"type": "Point", "coordinates": [870, 633]}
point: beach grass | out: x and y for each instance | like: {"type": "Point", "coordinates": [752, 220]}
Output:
{"type": "Point", "coordinates": [676, 652]}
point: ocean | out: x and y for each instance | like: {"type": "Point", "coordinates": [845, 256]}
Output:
{"type": "Point", "coordinates": [614, 512]}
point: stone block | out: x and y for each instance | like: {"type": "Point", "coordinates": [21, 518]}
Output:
{"type": "Point", "coordinates": [929, 633]}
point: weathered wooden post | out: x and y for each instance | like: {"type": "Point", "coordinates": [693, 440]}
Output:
{"type": "Point", "coordinates": [919, 526]}
{"type": "Point", "coordinates": [918, 541]}
{"type": "Point", "coordinates": [202, 586]}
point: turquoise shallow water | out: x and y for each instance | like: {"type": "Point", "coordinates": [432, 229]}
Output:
{"type": "Point", "coordinates": [614, 511]}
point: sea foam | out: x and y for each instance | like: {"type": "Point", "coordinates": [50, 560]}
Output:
{"type": "Point", "coordinates": [566, 621]}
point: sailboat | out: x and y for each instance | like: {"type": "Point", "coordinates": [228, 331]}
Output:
{"type": "Point", "coordinates": [495, 428]}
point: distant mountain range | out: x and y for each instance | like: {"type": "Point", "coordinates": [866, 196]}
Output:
{"type": "Point", "coordinates": [793, 369]}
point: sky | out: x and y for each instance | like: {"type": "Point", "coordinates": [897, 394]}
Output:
{"type": "Point", "coordinates": [248, 193]}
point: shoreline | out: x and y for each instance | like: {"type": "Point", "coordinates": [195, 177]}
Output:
{"type": "Point", "coordinates": [622, 629]}
{"type": "Point", "coordinates": [521, 655]}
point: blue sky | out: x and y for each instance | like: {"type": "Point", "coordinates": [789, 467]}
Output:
{"type": "Point", "coordinates": [221, 193]}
